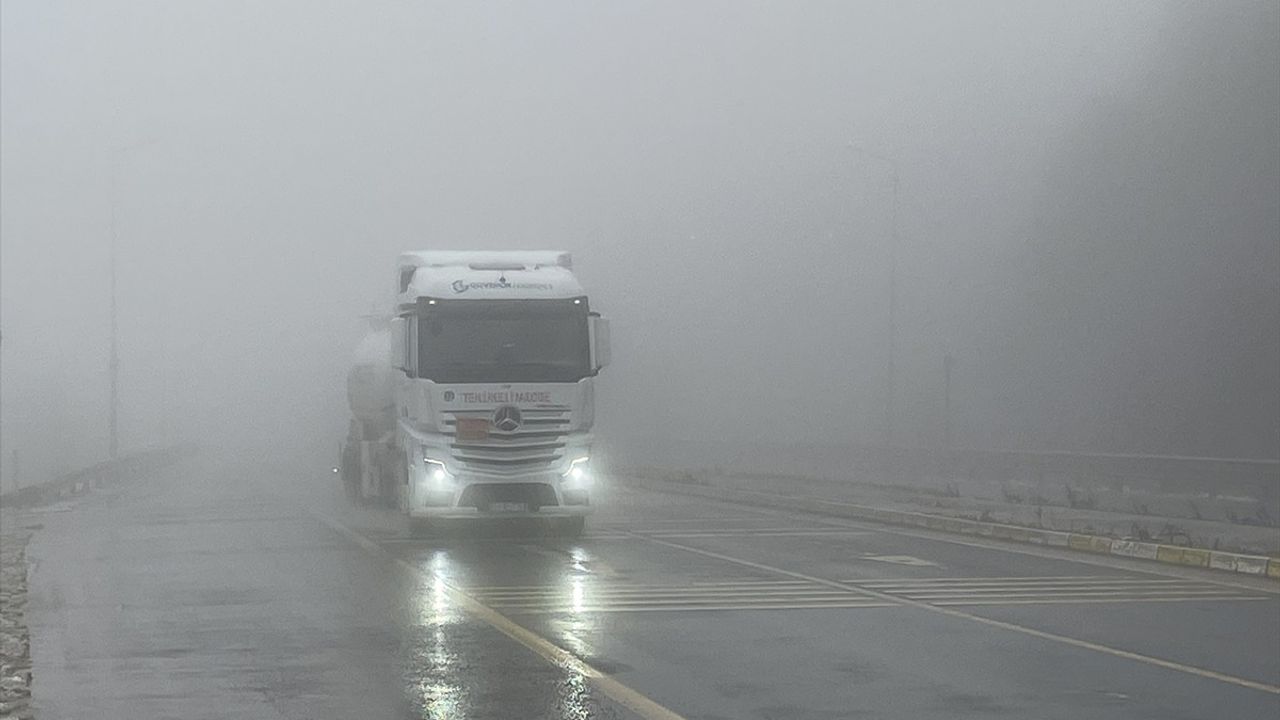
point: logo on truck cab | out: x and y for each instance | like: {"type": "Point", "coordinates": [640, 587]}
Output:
{"type": "Point", "coordinates": [461, 286]}
{"type": "Point", "coordinates": [507, 418]}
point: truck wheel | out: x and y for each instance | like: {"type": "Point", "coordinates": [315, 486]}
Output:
{"type": "Point", "coordinates": [351, 473]}
{"type": "Point", "coordinates": [571, 527]}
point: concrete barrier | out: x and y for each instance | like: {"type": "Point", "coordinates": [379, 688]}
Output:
{"type": "Point", "coordinates": [1168, 554]}
{"type": "Point", "coordinates": [1134, 549]}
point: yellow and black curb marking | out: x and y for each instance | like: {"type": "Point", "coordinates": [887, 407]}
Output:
{"type": "Point", "coordinates": [1256, 565]}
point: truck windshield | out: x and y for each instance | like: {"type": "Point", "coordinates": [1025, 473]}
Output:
{"type": "Point", "coordinates": [504, 341]}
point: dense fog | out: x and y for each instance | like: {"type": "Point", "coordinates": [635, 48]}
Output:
{"type": "Point", "coordinates": [1088, 223]}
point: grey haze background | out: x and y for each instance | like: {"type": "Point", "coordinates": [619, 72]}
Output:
{"type": "Point", "coordinates": [1089, 212]}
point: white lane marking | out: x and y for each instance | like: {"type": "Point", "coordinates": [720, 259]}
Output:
{"type": "Point", "coordinates": [827, 532]}
{"type": "Point", "coordinates": [697, 608]}
{"type": "Point", "coordinates": [641, 592]}
{"type": "Point", "coordinates": [1101, 601]}
{"type": "Point", "coordinates": [641, 586]}
{"type": "Point", "coordinates": [700, 601]}
{"type": "Point", "coordinates": [900, 560]}
{"type": "Point", "coordinates": [1028, 579]}
{"type": "Point", "coordinates": [1094, 592]}
{"type": "Point", "coordinates": [1013, 627]}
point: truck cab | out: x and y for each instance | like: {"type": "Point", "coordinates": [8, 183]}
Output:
{"type": "Point", "coordinates": [495, 357]}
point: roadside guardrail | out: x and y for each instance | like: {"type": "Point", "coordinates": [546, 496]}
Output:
{"type": "Point", "coordinates": [80, 481]}
{"type": "Point", "coordinates": [1256, 479]}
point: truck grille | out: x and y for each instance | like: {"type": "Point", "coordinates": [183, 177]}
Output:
{"type": "Point", "coordinates": [538, 442]}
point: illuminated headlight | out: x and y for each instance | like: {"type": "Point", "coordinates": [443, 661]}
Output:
{"type": "Point", "coordinates": [578, 476]}
{"type": "Point", "coordinates": [438, 476]}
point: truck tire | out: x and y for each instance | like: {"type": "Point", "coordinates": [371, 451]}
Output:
{"type": "Point", "coordinates": [351, 472]}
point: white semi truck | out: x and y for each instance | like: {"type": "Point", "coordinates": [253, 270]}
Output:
{"type": "Point", "coordinates": [475, 397]}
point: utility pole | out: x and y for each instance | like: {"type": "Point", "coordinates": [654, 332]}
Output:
{"type": "Point", "coordinates": [118, 156]}
{"type": "Point", "coordinates": [891, 375]}
{"type": "Point", "coordinates": [948, 363]}
{"type": "Point", "coordinates": [891, 403]}
{"type": "Point", "coordinates": [114, 361]}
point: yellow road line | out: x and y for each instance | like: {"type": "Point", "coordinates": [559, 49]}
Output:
{"type": "Point", "coordinates": [547, 650]}
{"type": "Point", "coordinates": [1013, 627]}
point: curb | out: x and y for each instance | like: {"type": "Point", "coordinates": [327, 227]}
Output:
{"type": "Point", "coordinates": [1256, 565]}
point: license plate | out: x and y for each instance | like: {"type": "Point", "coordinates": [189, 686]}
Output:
{"type": "Point", "coordinates": [508, 507]}
{"type": "Point", "coordinates": [473, 428]}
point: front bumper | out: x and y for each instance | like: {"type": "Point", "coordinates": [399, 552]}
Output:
{"type": "Point", "coordinates": [507, 499]}
{"type": "Point", "coordinates": [446, 513]}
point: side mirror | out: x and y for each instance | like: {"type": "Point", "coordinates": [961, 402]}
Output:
{"type": "Point", "coordinates": [600, 353]}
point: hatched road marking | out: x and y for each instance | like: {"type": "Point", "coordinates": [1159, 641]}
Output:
{"type": "Point", "coordinates": [761, 594]}
{"type": "Point", "coordinates": [929, 606]}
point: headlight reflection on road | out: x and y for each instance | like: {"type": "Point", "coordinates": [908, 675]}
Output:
{"type": "Point", "coordinates": [575, 634]}
{"type": "Point", "coordinates": [435, 608]}
{"type": "Point", "coordinates": [442, 701]}
{"type": "Point", "coordinates": [577, 595]}
{"type": "Point", "coordinates": [577, 629]}
{"type": "Point", "coordinates": [437, 662]}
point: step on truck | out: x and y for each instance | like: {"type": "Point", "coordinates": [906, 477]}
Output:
{"type": "Point", "coordinates": [475, 396]}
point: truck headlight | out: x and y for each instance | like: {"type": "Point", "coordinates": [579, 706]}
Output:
{"type": "Point", "coordinates": [578, 476]}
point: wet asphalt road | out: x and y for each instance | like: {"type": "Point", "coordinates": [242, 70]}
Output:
{"type": "Point", "coordinates": [217, 590]}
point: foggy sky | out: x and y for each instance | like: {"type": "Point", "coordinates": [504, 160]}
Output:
{"type": "Point", "coordinates": [701, 160]}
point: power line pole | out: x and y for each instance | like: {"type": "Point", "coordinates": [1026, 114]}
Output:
{"type": "Point", "coordinates": [948, 364]}
{"type": "Point", "coordinates": [890, 409]}
{"type": "Point", "coordinates": [118, 156]}
{"type": "Point", "coordinates": [113, 447]}
{"type": "Point", "coordinates": [891, 374]}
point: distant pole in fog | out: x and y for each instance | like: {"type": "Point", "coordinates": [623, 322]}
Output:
{"type": "Point", "coordinates": [118, 156]}
{"type": "Point", "coordinates": [948, 363]}
{"type": "Point", "coordinates": [113, 447]}
{"type": "Point", "coordinates": [891, 378]}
